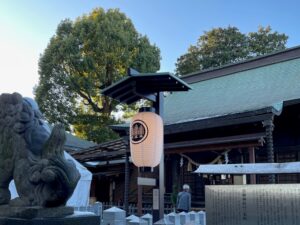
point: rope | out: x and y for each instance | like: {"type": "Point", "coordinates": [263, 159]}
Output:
{"type": "Point", "coordinates": [198, 164]}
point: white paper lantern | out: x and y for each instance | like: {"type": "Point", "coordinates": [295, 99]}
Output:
{"type": "Point", "coordinates": [146, 139]}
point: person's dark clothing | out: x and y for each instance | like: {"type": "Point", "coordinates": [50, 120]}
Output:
{"type": "Point", "coordinates": [183, 201]}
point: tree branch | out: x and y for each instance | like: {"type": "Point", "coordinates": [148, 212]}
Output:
{"type": "Point", "coordinates": [81, 93]}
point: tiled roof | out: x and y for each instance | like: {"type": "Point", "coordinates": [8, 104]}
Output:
{"type": "Point", "coordinates": [260, 83]}
{"type": "Point", "coordinates": [104, 151]}
{"type": "Point", "coordinates": [238, 92]}
{"type": "Point", "coordinates": [74, 143]}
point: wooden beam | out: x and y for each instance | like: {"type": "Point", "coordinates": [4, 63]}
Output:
{"type": "Point", "coordinates": [123, 89]}
{"type": "Point", "coordinates": [250, 168]}
{"type": "Point", "coordinates": [228, 120]}
{"type": "Point", "coordinates": [145, 95]}
{"type": "Point", "coordinates": [124, 95]}
{"type": "Point", "coordinates": [129, 98]}
{"type": "Point", "coordinates": [251, 152]}
{"type": "Point", "coordinates": [294, 148]}
{"type": "Point", "coordinates": [212, 147]}
{"type": "Point", "coordinates": [258, 137]}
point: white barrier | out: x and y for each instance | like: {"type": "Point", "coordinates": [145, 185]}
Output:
{"type": "Point", "coordinates": [114, 216]}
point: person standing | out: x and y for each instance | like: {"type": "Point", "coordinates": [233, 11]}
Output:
{"type": "Point", "coordinates": [184, 199]}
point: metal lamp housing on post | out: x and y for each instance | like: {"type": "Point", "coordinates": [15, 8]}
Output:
{"type": "Point", "coordinates": [146, 138]}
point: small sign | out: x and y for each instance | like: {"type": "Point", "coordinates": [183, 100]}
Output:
{"type": "Point", "coordinates": [155, 199]}
{"type": "Point", "coordinates": [146, 181]}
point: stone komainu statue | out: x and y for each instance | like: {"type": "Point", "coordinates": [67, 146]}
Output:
{"type": "Point", "coordinates": [32, 156]}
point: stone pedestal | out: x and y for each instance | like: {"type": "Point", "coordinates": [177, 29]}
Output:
{"type": "Point", "coordinates": [69, 220]}
{"type": "Point", "coordinates": [7, 211]}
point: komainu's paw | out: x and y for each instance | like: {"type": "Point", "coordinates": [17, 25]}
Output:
{"type": "Point", "coordinates": [20, 202]}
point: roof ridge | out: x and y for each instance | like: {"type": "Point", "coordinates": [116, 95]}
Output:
{"type": "Point", "coordinates": [252, 63]}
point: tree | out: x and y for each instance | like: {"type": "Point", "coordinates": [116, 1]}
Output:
{"type": "Point", "coordinates": [82, 58]}
{"type": "Point", "coordinates": [189, 62]}
{"type": "Point", "coordinates": [221, 46]}
{"type": "Point", "coordinates": [264, 41]}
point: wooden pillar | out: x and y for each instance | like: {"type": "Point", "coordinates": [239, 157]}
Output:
{"type": "Point", "coordinates": [244, 176]}
{"type": "Point", "coordinates": [127, 176]}
{"type": "Point", "coordinates": [174, 163]}
{"type": "Point", "coordinates": [298, 159]}
{"type": "Point", "coordinates": [140, 197]}
{"type": "Point", "coordinates": [251, 151]}
{"type": "Point", "coordinates": [127, 172]}
{"type": "Point", "coordinates": [159, 109]}
{"type": "Point", "coordinates": [269, 125]}
{"type": "Point", "coordinates": [93, 194]}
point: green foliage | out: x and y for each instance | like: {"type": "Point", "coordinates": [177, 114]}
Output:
{"type": "Point", "coordinates": [221, 46]}
{"type": "Point", "coordinates": [174, 195]}
{"type": "Point", "coordinates": [82, 58]}
{"type": "Point", "coordinates": [189, 62]}
{"type": "Point", "coordinates": [94, 128]}
{"type": "Point", "coordinates": [264, 41]}
{"type": "Point", "coordinates": [130, 110]}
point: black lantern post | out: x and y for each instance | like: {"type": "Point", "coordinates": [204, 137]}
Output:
{"type": "Point", "coordinates": [148, 86]}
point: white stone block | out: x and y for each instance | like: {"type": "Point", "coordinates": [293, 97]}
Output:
{"type": "Point", "coordinates": [173, 218]}
{"type": "Point", "coordinates": [114, 216]}
{"type": "Point", "coordinates": [128, 218]}
{"type": "Point", "coordinates": [149, 218]}
{"type": "Point", "coordinates": [201, 217]}
{"type": "Point", "coordinates": [163, 221]}
{"type": "Point", "coordinates": [138, 221]}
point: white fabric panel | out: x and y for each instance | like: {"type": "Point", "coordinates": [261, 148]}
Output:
{"type": "Point", "coordinates": [81, 194]}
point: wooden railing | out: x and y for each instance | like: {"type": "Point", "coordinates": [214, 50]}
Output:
{"type": "Point", "coordinates": [132, 208]}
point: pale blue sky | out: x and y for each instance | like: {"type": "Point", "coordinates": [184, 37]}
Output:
{"type": "Point", "coordinates": [173, 25]}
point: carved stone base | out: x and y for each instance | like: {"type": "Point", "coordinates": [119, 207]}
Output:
{"type": "Point", "coordinates": [69, 220]}
{"type": "Point", "coordinates": [34, 212]}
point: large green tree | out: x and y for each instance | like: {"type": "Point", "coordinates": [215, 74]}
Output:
{"type": "Point", "coordinates": [221, 46]}
{"type": "Point", "coordinates": [83, 57]}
